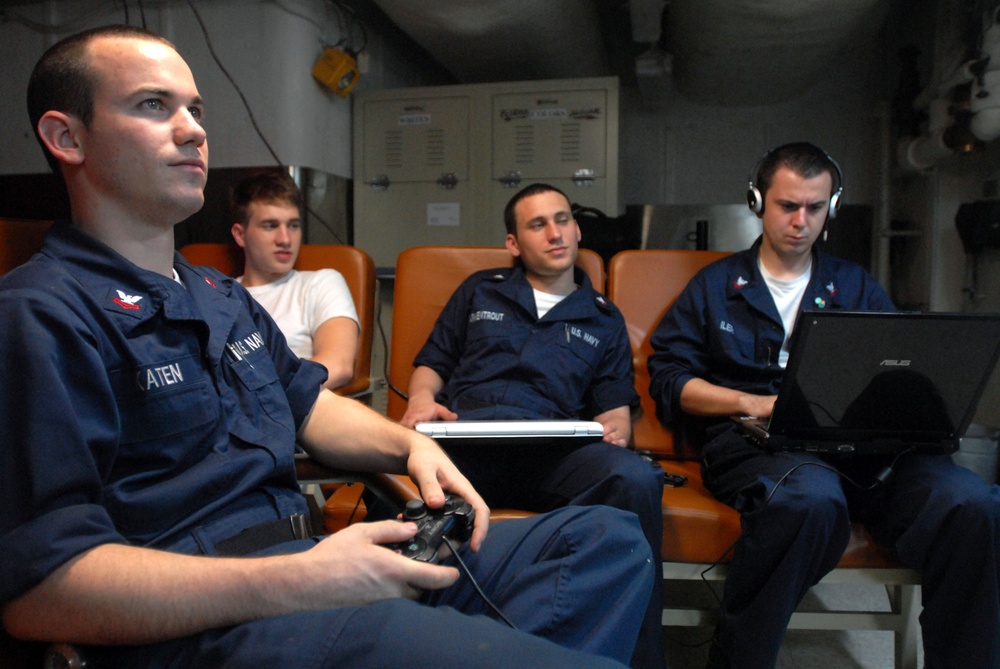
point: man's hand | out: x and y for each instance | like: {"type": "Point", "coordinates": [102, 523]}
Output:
{"type": "Point", "coordinates": [353, 567]}
{"type": "Point", "coordinates": [701, 398]}
{"type": "Point", "coordinates": [121, 594]}
{"type": "Point", "coordinates": [434, 473]}
{"type": "Point", "coordinates": [758, 406]}
{"type": "Point", "coordinates": [617, 424]}
{"type": "Point", "coordinates": [419, 412]}
{"type": "Point", "coordinates": [424, 386]}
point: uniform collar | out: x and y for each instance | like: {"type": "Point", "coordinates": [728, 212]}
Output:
{"type": "Point", "coordinates": [130, 293]}
{"type": "Point", "coordinates": [583, 302]}
{"type": "Point", "coordinates": [746, 280]}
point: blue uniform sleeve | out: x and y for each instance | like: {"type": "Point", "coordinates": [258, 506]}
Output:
{"type": "Point", "coordinates": [445, 344]}
{"type": "Point", "coordinates": [614, 383]}
{"type": "Point", "coordinates": [60, 432]}
{"type": "Point", "coordinates": [679, 351]}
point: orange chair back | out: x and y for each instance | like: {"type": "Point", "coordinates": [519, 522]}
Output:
{"type": "Point", "coordinates": [19, 240]}
{"type": "Point", "coordinates": [643, 285]}
{"type": "Point", "coordinates": [227, 258]}
{"type": "Point", "coordinates": [354, 264]}
{"type": "Point", "coordinates": [426, 277]}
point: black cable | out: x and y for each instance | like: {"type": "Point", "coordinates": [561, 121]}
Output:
{"type": "Point", "coordinates": [493, 607]}
{"type": "Point", "coordinates": [385, 358]}
{"type": "Point", "coordinates": [236, 87]}
{"type": "Point", "coordinates": [357, 505]}
{"type": "Point", "coordinates": [323, 222]}
{"type": "Point", "coordinates": [250, 114]}
{"type": "Point", "coordinates": [880, 478]}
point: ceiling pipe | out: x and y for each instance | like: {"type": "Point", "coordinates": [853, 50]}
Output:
{"type": "Point", "coordinates": [964, 109]}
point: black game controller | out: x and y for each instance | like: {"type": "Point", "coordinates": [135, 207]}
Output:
{"type": "Point", "coordinates": [453, 520]}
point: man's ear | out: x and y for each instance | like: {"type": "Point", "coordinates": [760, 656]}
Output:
{"type": "Point", "coordinates": [238, 232]}
{"type": "Point", "coordinates": [61, 134]}
{"type": "Point", "coordinates": [511, 244]}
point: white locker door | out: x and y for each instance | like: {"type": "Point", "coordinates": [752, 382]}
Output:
{"type": "Point", "coordinates": [559, 137]}
{"type": "Point", "coordinates": [414, 178]}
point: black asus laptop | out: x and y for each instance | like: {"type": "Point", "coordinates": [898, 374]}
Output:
{"type": "Point", "coordinates": [867, 382]}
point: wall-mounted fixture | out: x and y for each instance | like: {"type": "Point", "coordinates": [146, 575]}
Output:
{"type": "Point", "coordinates": [337, 70]}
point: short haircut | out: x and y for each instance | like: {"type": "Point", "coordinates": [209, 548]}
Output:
{"type": "Point", "coordinates": [805, 159]}
{"type": "Point", "coordinates": [509, 219]}
{"type": "Point", "coordinates": [63, 79]}
{"type": "Point", "coordinates": [271, 187]}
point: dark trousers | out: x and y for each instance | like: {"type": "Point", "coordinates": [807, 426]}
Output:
{"type": "Point", "coordinates": [942, 520]}
{"type": "Point", "coordinates": [544, 478]}
{"type": "Point", "coordinates": [573, 582]}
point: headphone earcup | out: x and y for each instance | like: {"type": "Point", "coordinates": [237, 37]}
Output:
{"type": "Point", "coordinates": [754, 200]}
{"type": "Point", "coordinates": [835, 203]}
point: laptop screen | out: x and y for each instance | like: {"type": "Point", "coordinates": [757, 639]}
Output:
{"type": "Point", "coordinates": [903, 376]}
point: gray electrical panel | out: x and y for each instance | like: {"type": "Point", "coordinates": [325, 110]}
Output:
{"type": "Point", "coordinates": [436, 165]}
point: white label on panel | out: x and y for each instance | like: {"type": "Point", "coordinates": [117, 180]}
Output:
{"type": "Point", "coordinates": [548, 114]}
{"type": "Point", "coordinates": [413, 119]}
{"type": "Point", "coordinates": [444, 214]}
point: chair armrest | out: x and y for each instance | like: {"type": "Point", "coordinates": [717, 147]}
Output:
{"type": "Point", "coordinates": [394, 489]}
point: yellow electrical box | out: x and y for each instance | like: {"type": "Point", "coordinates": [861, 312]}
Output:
{"type": "Point", "coordinates": [337, 70]}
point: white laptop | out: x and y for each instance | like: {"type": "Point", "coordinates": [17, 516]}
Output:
{"type": "Point", "coordinates": [512, 432]}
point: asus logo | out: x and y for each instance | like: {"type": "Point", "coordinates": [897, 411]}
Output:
{"type": "Point", "coordinates": [894, 363]}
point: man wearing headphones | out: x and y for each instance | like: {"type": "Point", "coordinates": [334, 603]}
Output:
{"type": "Point", "coordinates": [721, 351]}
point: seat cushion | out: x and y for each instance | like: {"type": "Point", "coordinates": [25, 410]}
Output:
{"type": "Point", "coordinates": [698, 528]}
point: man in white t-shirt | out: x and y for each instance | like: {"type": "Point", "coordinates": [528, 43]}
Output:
{"type": "Point", "coordinates": [313, 309]}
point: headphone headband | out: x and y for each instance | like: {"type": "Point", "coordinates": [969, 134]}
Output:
{"type": "Point", "coordinates": [755, 200]}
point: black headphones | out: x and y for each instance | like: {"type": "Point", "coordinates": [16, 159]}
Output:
{"type": "Point", "coordinates": [756, 201]}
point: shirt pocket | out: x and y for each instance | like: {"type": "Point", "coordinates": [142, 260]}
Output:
{"type": "Point", "coordinates": [727, 348]}
{"type": "Point", "coordinates": [489, 336]}
{"type": "Point", "coordinates": [576, 345]}
{"type": "Point", "coordinates": [161, 400]}
{"type": "Point", "coordinates": [158, 416]}
{"type": "Point", "coordinates": [258, 386]}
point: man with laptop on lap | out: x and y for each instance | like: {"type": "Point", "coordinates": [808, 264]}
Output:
{"type": "Point", "coordinates": [537, 341]}
{"type": "Point", "coordinates": [721, 350]}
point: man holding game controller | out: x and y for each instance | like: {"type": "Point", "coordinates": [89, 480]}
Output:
{"type": "Point", "coordinates": [149, 510]}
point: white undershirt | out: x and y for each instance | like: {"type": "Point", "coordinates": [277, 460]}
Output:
{"type": "Point", "coordinates": [300, 302]}
{"type": "Point", "coordinates": [545, 301]}
{"type": "Point", "coordinates": [787, 297]}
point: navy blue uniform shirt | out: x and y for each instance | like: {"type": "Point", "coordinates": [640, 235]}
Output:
{"type": "Point", "coordinates": [724, 327]}
{"type": "Point", "coordinates": [499, 360]}
{"type": "Point", "coordinates": [136, 410]}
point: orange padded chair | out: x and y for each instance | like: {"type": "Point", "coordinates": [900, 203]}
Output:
{"type": "Point", "coordinates": [698, 529]}
{"type": "Point", "coordinates": [359, 273]}
{"type": "Point", "coordinates": [19, 240]}
{"type": "Point", "coordinates": [426, 277]}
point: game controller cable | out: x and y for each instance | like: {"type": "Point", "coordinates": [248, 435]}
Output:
{"type": "Point", "coordinates": [475, 584]}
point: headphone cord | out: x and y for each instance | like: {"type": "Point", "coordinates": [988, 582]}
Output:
{"type": "Point", "coordinates": [880, 478]}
